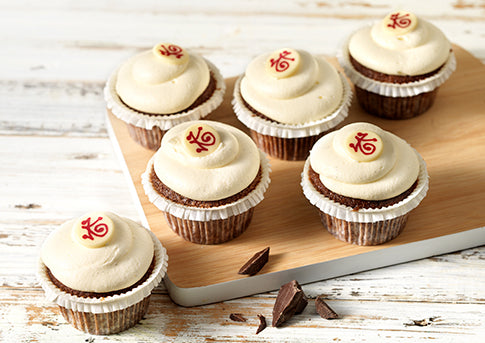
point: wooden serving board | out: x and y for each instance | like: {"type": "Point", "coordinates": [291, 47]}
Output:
{"type": "Point", "coordinates": [451, 139]}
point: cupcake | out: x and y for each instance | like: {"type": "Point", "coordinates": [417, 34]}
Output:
{"type": "Point", "coordinates": [397, 65]}
{"type": "Point", "coordinates": [160, 88]}
{"type": "Point", "coordinates": [288, 99]}
{"type": "Point", "coordinates": [364, 181]}
{"type": "Point", "coordinates": [206, 178]}
{"type": "Point", "coordinates": [100, 269]}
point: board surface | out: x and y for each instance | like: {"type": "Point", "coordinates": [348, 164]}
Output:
{"type": "Point", "coordinates": [451, 139]}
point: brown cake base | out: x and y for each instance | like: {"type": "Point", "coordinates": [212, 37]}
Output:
{"type": "Point", "coordinates": [210, 232]}
{"type": "Point", "coordinates": [289, 149]}
{"type": "Point", "coordinates": [372, 233]}
{"type": "Point", "coordinates": [206, 232]}
{"type": "Point", "coordinates": [107, 323]}
{"type": "Point", "coordinates": [104, 323]}
{"type": "Point", "coordinates": [151, 139]}
{"type": "Point", "coordinates": [393, 107]}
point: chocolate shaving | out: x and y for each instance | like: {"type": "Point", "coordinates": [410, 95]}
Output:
{"type": "Point", "coordinates": [323, 309]}
{"type": "Point", "coordinates": [255, 263]}
{"type": "Point", "coordinates": [237, 317]}
{"type": "Point", "coordinates": [290, 300]}
{"type": "Point", "coordinates": [262, 323]}
{"type": "Point", "coordinates": [422, 322]}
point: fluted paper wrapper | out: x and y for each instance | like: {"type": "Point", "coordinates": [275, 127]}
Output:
{"type": "Point", "coordinates": [211, 231]}
{"type": "Point", "coordinates": [269, 128]}
{"type": "Point", "coordinates": [368, 215]}
{"type": "Point", "coordinates": [208, 214]}
{"type": "Point", "coordinates": [163, 122]}
{"type": "Point", "coordinates": [108, 314]}
{"type": "Point", "coordinates": [395, 90]}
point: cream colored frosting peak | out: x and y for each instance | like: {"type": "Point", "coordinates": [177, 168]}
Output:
{"type": "Point", "coordinates": [150, 84]}
{"type": "Point", "coordinates": [311, 92]}
{"type": "Point", "coordinates": [119, 263]}
{"type": "Point", "coordinates": [417, 52]}
{"type": "Point", "coordinates": [226, 171]}
{"type": "Point", "coordinates": [394, 170]}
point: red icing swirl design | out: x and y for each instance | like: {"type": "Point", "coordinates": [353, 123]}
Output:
{"type": "Point", "coordinates": [367, 148]}
{"type": "Point", "coordinates": [399, 21]}
{"type": "Point", "coordinates": [202, 139]}
{"type": "Point", "coordinates": [282, 63]}
{"type": "Point", "coordinates": [99, 230]}
{"type": "Point", "coordinates": [170, 50]}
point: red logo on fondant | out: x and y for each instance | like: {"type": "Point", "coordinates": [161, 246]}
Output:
{"type": "Point", "coordinates": [171, 50]}
{"type": "Point", "coordinates": [202, 139]}
{"type": "Point", "coordinates": [399, 21]}
{"type": "Point", "coordinates": [99, 230]}
{"type": "Point", "coordinates": [367, 148]}
{"type": "Point", "coordinates": [282, 62]}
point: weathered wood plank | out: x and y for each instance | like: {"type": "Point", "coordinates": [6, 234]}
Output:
{"type": "Point", "coordinates": [26, 317]}
{"type": "Point", "coordinates": [57, 163]}
{"type": "Point", "coordinates": [334, 8]}
{"type": "Point", "coordinates": [229, 33]}
{"type": "Point", "coordinates": [59, 177]}
{"type": "Point", "coordinates": [54, 80]}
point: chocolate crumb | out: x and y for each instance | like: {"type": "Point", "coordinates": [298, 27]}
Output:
{"type": "Point", "coordinates": [290, 300]}
{"type": "Point", "coordinates": [237, 317]}
{"type": "Point", "coordinates": [422, 322]}
{"type": "Point", "coordinates": [262, 323]}
{"type": "Point", "coordinates": [255, 263]}
{"type": "Point", "coordinates": [323, 309]}
{"type": "Point", "coordinates": [28, 206]}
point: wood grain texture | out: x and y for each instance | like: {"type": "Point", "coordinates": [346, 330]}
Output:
{"type": "Point", "coordinates": [287, 222]}
{"type": "Point", "coordinates": [377, 305]}
{"type": "Point", "coordinates": [57, 163]}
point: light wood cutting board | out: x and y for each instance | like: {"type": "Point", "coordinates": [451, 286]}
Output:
{"type": "Point", "coordinates": [451, 139]}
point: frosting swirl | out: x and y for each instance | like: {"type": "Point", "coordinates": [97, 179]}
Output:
{"type": "Point", "coordinates": [119, 263]}
{"type": "Point", "coordinates": [227, 170]}
{"type": "Point", "coordinates": [415, 52]}
{"type": "Point", "coordinates": [312, 91]}
{"type": "Point", "coordinates": [151, 84]}
{"type": "Point", "coordinates": [391, 172]}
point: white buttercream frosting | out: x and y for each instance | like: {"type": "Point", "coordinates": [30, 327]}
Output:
{"type": "Point", "coordinates": [118, 264]}
{"type": "Point", "coordinates": [224, 172]}
{"type": "Point", "coordinates": [417, 52]}
{"type": "Point", "coordinates": [312, 92]}
{"type": "Point", "coordinates": [394, 171]}
{"type": "Point", "coordinates": [149, 84]}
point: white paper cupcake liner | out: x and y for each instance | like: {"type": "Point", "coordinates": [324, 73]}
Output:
{"type": "Point", "coordinates": [281, 130]}
{"type": "Point", "coordinates": [164, 122]}
{"type": "Point", "coordinates": [395, 90]}
{"type": "Point", "coordinates": [110, 303]}
{"type": "Point", "coordinates": [369, 215]}
{"type": "Point", "coordinates": [205, 214]}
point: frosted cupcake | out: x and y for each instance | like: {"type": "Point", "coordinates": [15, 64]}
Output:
{"type": "Point", "coordinates": [397, 65]}
{"type": "Point", "coordinates": [206, 178]}
{"type": "Point", "coordinates": [100, 269]}
{"type": "Point", "coordinates": [288, 99]}
{"type": "Point", "coordinates": [364, 181]}
{"type": "Point", "coordinates": [160, 88]}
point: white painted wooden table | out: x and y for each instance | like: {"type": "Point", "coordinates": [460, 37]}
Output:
{"type": "Point", "coordinates": [57, 162]}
